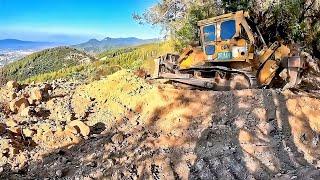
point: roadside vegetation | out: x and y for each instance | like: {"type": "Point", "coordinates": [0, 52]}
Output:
{"type": "Point", "coordinates": [109, 62]}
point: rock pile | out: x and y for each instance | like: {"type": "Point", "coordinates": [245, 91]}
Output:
{"type": "Point", "coordinates": [26, 124]}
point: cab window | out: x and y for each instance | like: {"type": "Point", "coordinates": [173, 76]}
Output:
{"type": "Point", "coordinates": [209, 33]}
{"type": "Point", "coordinates": [228, 29]}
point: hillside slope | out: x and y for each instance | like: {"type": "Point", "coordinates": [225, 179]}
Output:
{"type": "Point", "coordinates": [95, 46]}
{"type": "Point", "coordinates": [46, 61]}
{"type": "Point", "coordinates": [109, 62]}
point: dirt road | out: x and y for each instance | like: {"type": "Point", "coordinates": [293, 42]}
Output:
{"type": "Point", "coordinates": [143, 130]}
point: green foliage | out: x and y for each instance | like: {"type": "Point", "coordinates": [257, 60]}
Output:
{"type": "Point", "coordinates": [46, 61]}
{"type": "Point", "coordinates": [235, 5]}
{"type": "Point", "coordinates": [179, 18]}
{"type": "Point", "coordinates": [289, 21]}
{"type": "Point", "coordinates": [134, 57]}
{"type": "Point", "coordinates": [110, 62]}
{"type": "Point", "coordinates": [293, 21]}
{"type": "Point", "coordinates": [91, 71]}
{"type": "Point", "coordinates": [115, 52]}
{"type": "Point", "coordinates": [188, 33]}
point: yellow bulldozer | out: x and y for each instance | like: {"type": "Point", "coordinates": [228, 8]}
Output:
{"type": "Point", "coordinates": [232, 54]}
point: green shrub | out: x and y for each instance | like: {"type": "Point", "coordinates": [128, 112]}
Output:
{"type": "Point", "coordinates": [46, 61]}
{"type": "Point", "coordinates": [110, 61]}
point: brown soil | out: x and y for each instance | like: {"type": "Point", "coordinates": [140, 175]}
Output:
{"type": "Point", "coordinates": [143, 130]}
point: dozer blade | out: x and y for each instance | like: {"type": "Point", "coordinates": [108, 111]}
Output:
{"type": "Point", "coordinates": [291, 68]}
{"type": "Point", "coordinates": [294, 69]}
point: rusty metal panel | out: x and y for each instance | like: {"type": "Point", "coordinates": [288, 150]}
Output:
{"type": "Point", "coordinates": [295, 62]}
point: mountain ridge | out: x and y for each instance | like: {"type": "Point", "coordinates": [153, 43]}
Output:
{"type": "Point", "coordinates": [95, 46]}
{"type": "Point", "coordinates": [17, 44]}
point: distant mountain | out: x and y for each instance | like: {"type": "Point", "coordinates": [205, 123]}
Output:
{"type": "Point", "coordinates": [95, 46]}
{"type": "Point", "coordinates": [45, 61]}
{"type": "Point", "coordinates": [15, 44]}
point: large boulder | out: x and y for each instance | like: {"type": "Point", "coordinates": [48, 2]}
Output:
{"type": "Point", "coordinates": [2, 128]}
{"type": "Point", "coordinates": [26, 112]}
{"type": "Point", "coordinates": [48, 87]}
{"type": "Point", "coordinates": [12, 85]}
{"type": "Point", "coordinates": [36, 95]}
{"type": "Point", "coordinates": [12, 95]}
{"type": "Point", "coordinates": [11, 123]}
{"type": "Point", "coordinates": [18, 104]}
{"type": "Point", "coordinates": [84, 129]}
{"type": "Point", "coordinates": [27, 132]}
{"type": "Point", "coordinates": [39, 94]}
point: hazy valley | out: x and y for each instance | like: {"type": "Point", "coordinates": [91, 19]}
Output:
{"type": "Point", "coordinates": [8, 56]}
{"type": "Point", "coordinates": [13, 49]}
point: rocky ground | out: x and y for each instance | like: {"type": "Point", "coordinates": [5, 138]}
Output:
{"type": "Point", "coordinates": [124, 127]}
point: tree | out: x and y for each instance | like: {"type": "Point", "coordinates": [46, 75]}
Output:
{"type": "Point", "coordinates": [188, 33]}
{"type": "Point", "coordinates": [291, 20]}
{"type": "Point", "coordinates": [178, 18]}
{"type": "Point", "coordinates": [235, 5]}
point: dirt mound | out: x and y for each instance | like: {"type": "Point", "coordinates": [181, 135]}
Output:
{"type": "Point", "coordinates": [134, 129]}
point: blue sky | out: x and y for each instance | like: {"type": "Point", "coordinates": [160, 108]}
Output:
{"type": "Point", "coordinates": [73, 20]}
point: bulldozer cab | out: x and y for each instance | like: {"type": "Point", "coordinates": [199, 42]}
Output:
{"type": "Point", "coordinates": [227, 38]}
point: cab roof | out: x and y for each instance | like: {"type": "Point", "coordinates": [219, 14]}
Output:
{"type": "Point", "coordinates": [220, 18]}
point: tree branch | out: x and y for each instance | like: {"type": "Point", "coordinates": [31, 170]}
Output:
{"type": "Point", "coordinates": [305, 10]}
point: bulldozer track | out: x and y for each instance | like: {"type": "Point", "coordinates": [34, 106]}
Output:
{"type": "Point", "coordinates": [249, 75]}
{"type": "Point", "coordinates": [251, 78]}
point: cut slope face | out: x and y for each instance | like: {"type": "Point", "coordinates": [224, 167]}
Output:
{"type": "Point", "coordinates": [48, 60]}
{"type": "Point", "coordinates": [142, 130]}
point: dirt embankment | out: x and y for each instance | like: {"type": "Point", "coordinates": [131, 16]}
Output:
{"type": "Point", "coordinates": [142, 130]}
